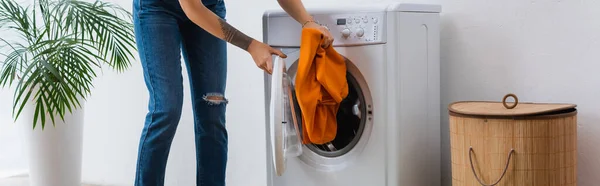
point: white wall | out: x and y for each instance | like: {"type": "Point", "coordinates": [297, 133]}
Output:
{"type": "Point", "coordinates": [12, 153]}
{"type": "Point", "coordinates": [544, 51]}
{"type": "Point", "coordinates": [11, 146]}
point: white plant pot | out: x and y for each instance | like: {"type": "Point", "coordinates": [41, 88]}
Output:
{"type": "Point", "coordinates": [54, 154]}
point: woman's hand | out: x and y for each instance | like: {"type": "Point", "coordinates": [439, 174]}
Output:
{"type": "Point", "coordinates": [296, 9]}
{"type": "Point", "coordinates": [263, 55]}
{"type": "Point", "coordinates": [328, 38]}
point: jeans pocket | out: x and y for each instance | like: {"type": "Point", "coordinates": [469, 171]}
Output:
{"type": "Point", "coordinates": [137, 5]}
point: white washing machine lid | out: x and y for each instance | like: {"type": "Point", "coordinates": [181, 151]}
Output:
{"type": "Point", "coordinates": [276, 114]}
{"type": "Point", "coordinates": [284, 132]}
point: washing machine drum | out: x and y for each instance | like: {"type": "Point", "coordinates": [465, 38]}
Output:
{"type": "Point", "coordinates": [285, 121]}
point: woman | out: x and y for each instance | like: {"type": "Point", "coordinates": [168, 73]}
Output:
{"type": "Point", "coordinates": [198, 30]}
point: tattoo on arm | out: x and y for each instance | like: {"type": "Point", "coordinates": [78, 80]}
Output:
{"type": "Point", "coordinates": [234, 36]}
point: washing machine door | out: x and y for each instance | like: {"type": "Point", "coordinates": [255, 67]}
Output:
{"type": "Point", "coordinates": [285, 133]}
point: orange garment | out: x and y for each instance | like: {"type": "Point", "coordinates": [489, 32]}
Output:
{"type": "Point", "coordinates": [320, 87]}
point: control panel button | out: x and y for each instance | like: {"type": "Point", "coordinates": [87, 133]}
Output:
{"type": "Point", "coordinates": [346, 32]}
{"type": "Point", "coordinates": [360, 32]}
{"type": "Point", "coordinates": [375, 20]}
{"type": "Point", "coordinates": [356, 20]}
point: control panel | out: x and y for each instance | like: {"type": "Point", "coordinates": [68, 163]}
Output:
{"type": "Point", "coordinates": [354, 28]}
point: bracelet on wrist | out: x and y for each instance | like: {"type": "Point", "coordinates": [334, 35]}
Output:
{"type": "Point", "coordinates": [308, 22]}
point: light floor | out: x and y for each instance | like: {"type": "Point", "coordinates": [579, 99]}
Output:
{"type": "Point", "coordinates": [22, 181]}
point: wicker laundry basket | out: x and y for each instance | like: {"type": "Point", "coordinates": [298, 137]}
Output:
{"type": "Point", "coordinates": [517, 144]}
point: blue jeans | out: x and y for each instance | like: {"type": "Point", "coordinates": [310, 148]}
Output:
{"type": "Point", "coordinates": [162, 32]}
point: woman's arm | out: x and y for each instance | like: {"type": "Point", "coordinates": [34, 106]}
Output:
{"type": "Point", "coordinates": [207, 20]}
{"type": "Point", "coordinates": [296, 9]}
{"type": "Point", "coordinates": [261, 53]}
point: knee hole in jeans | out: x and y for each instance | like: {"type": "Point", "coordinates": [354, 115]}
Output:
{"type": "Point", "coordinates": [215, 99]}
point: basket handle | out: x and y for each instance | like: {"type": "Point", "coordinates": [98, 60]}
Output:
{"type": "Point", "coordinates": [511, 106]}
{"type": "Point", "coordinates": [503, 172]}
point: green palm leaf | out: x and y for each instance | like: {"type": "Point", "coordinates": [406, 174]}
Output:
{"type": "Point", "coordinates": [52, 63]}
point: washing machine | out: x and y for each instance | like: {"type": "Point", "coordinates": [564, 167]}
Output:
{"type": "Point", "coordinates": [389, 124]}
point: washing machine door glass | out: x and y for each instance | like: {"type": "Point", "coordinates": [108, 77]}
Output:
{"type": "Point", "coordinates": [284, 133]}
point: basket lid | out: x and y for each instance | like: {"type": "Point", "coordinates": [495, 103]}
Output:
{"type": "Point", "coordinates": [509, 109]}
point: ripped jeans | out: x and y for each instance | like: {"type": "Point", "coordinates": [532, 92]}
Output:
{"type": "Point", "coordinates": [164, 34]}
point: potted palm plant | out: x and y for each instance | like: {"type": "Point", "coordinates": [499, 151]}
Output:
{"type": "Point", "coordinates": [50, 51]}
